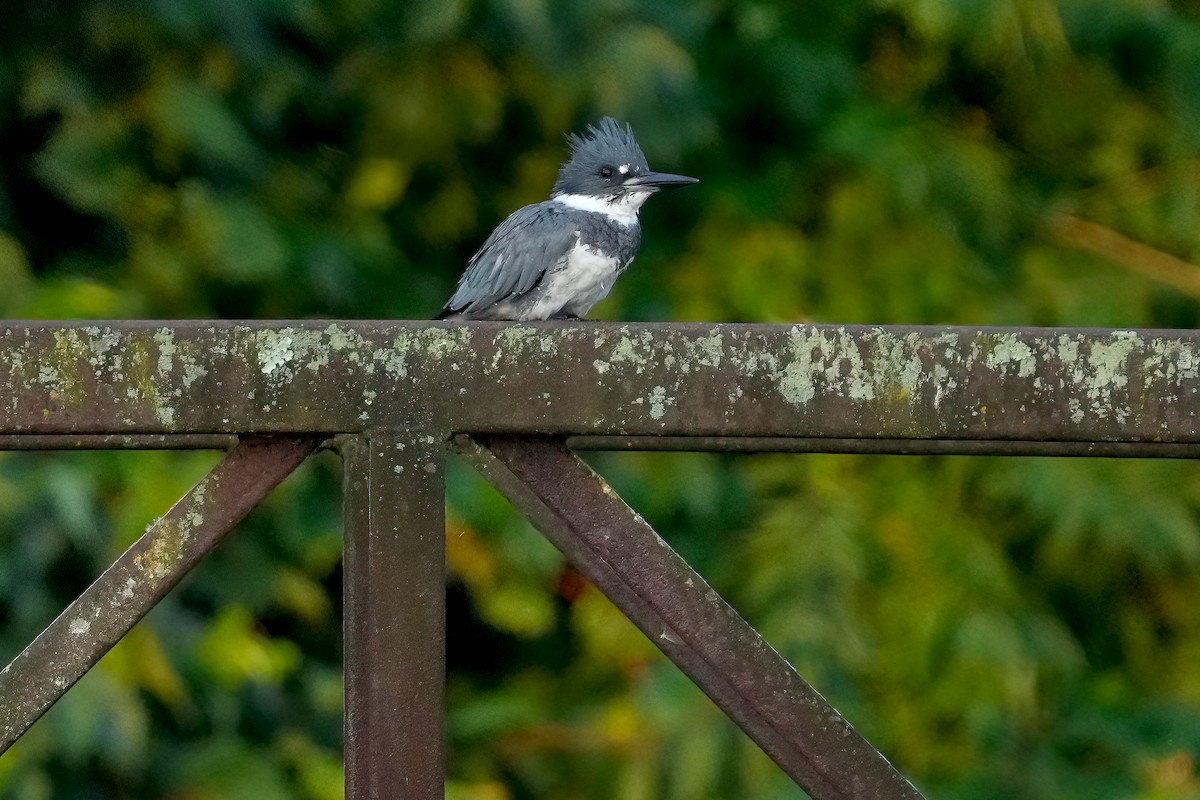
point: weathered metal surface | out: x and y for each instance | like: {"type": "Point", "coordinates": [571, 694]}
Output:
{"type": "Point", "coordinates": [401, 388]}
{"type": "Point", "coordinates": [394, 608]}
{"type": "Point", "coordinates": [602, 379]}
{"type": "Point", "coordinates": [128, 441]}
{"type": "Point", "coordinates": [906, 447]}
{"type": "Point", "coordinates": [144, 573]}
{"type": "Point", "coordinates": [686, 619]}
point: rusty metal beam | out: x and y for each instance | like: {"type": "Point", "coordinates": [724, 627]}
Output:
{"type": "Point", "coordinates": [615, 548]}
{"type": "Point", "coordinates": [128, 441]}
{"type": "Point", "coordinates": [798, 381]}
{"type": "Point", "coordinates": [394, 615]}
{"type": "Point", "coordinates": [903, 447]}
{"type": "Point", "coordinates": [144, 573]}
{"type": "Point", "coordinates": [712, 444]}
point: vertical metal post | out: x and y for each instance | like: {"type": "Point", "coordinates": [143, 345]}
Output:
{"type": "Point", "coordinates": [394, 605]}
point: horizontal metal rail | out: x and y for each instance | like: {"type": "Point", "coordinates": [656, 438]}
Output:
{"type": "Point", "coordinates": [903, 447]}
{"type": "Point", "coordinates": [712, 444]}
{"type": "Point", "coordinates": [122, 441]}
{"type": "Point", "coordinates": [801, 381]}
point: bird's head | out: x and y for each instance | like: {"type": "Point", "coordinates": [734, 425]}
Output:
{"type": "Point", "coordinates": [606, 162]}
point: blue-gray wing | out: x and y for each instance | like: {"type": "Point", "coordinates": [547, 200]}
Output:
{"type": "Point", "coordinates": [515, 257]}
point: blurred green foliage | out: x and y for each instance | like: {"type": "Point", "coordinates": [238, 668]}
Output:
{"type": "Point", "coordinates": [1000, 627]}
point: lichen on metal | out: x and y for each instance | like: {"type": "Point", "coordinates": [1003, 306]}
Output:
{"type": "Point", "coordinates": [169, 535]}
{"type": "Point", "coordinates": [601, 379]}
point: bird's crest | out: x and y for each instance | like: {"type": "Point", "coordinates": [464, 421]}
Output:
{"type": "Point", "coordinates": [608, 138]}
{"type": "Point", "coordinates": [608, 144]}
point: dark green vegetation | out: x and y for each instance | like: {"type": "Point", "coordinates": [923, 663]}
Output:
{"type": "Point", "coordinates": [1000, 628]}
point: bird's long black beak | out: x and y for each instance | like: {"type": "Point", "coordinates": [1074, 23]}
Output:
{"type": "Point", "coordinates": [659, 180]}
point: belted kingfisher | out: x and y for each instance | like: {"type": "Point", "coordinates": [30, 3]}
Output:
{"type": "Point", "coordinates": [558, 258]}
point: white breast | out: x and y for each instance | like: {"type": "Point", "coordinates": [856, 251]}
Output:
{"type": "Point", "coordinates": [583, 278]}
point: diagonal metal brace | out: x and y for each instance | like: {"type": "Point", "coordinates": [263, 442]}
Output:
{"type": "Point", "coordinates": [640, 573]}
{"type": "Point", "coordinates": [144, 573]}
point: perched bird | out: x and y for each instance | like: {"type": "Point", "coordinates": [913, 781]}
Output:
{"type": "Point", "coordinates": [558, 258]}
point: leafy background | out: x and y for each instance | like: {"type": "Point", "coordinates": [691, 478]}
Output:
{"type": "Point", "coordinates": [999, 627]}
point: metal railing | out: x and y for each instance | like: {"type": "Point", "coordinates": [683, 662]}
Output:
{"type": "Point", "coordinates": [517, 400]}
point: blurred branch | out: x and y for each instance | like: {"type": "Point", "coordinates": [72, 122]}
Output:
{"type": "Point", "coordinates": [1092, 237]}
{"type": "Point", "coordinates": [1141, 184]}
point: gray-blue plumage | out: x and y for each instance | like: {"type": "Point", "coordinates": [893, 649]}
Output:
{"type": "Point", "coordinates": [558, 258]}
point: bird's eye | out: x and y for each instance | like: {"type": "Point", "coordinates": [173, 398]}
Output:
{"type": "Point", "coordinates": [606, 172]}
